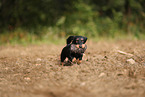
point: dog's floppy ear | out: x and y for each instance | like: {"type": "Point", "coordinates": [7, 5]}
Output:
{"type": "Point", "coordinates": [85, 39]}
{"type": "Point", "coordinates": [70, 39]}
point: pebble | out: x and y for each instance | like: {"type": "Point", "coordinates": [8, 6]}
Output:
{"type": "Point", "coordinates": [83, 83]}
{"type": "Point", "coordinates": [130, 61]}
{"type": "Point", "coordinates": [39, 59]}
{"type": "Point", "coordinates": [27, 78]}
{"type": "Point", "coordinates": [37, 64]}
{"type": "Point", "coordinates": [102, 75]}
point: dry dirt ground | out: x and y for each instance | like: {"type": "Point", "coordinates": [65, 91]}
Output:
{"type": "Point", "coordinates": [109, 69]}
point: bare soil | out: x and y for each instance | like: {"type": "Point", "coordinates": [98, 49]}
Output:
{"type": "Point", "coordinates": [34, 71]}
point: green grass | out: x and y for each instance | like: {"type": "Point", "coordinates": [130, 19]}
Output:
{"type": "Point", "coordinates": [23, 37]}
{"type": "Point", "coordinates": [58, 34]}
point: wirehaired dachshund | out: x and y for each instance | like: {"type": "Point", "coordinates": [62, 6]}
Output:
{"type": "Point", "coordinates": [74, 49]}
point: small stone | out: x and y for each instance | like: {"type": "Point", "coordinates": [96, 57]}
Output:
{"type": "Point", "coordinates": [126, 72]}
{"type": "Point", "coordinates": [130, 61]}
{"type": "Point", "coordinates": [102, 75]}
{"type": "Point", "coordinates": [37, 64]}
{"type": "Point", "coordinates": [27, 78]}
{"type": "Point", "coordinates": [83, 83]}
{"type": "Point", "coordinates": [85, 57]}
{"type": "Point", "coordinates": [39, 59]}
{"type": "Point", "coordinates": [6, 68]}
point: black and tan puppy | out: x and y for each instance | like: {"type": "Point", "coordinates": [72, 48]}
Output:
{"type": "Point", "coordinates": [74, 49]}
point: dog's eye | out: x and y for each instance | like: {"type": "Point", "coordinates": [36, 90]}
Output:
{"type": "Point", "coordinates": [83, 41]}
{"type": "Point", "coordinates": [77, 41]}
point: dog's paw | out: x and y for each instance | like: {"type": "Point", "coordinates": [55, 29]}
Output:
{"type": "Point", "coordinates": [79, 62]}
{"type": "Point", "coordinates": [74, 60]}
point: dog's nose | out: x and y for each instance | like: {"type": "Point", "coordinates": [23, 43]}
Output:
{"type": "Point", "coordinates": [80, 46]}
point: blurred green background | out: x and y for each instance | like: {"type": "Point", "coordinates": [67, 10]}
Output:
{"type": "Point", "coordinates": [51, 21]}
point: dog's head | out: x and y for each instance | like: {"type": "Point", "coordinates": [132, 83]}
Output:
{"type": "Point", "coordinates": [79, 41]}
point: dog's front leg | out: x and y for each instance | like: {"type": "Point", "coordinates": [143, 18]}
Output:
{"type": "Point", "coordinates": [79, 59]}
{"type": "Point", "coordinates": [74, 60]}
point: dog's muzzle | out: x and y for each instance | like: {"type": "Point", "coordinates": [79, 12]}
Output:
{"type": "Point", "coordinates": [78, 49]}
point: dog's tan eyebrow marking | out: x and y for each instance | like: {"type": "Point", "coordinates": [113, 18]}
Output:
{"type": "Point", "coordinates": [77, 39]}
{"type": "Point", "coordinates": [82, 39]}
